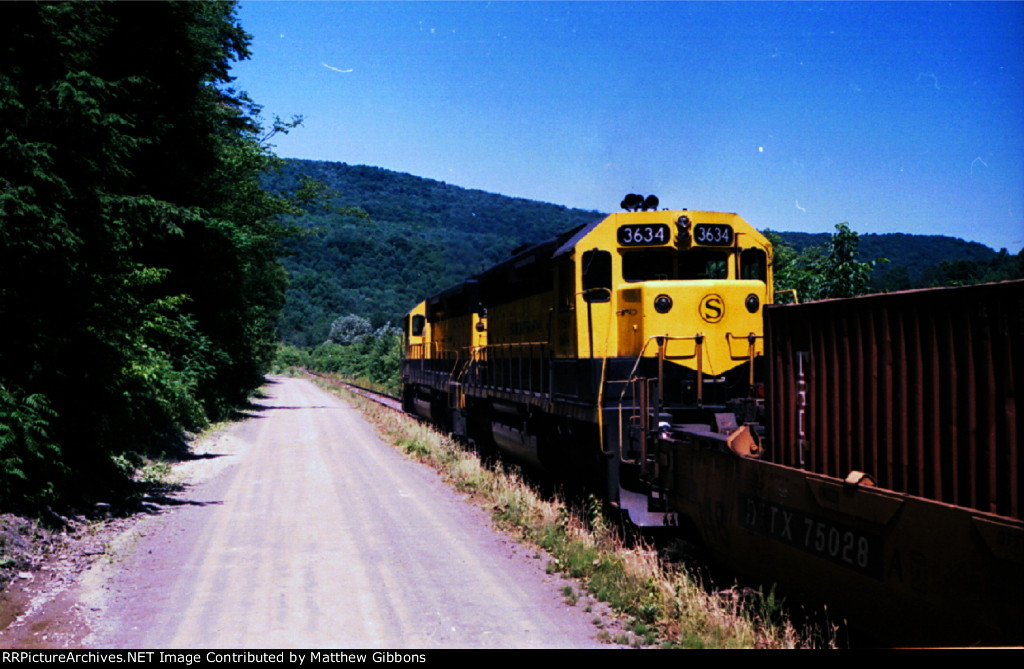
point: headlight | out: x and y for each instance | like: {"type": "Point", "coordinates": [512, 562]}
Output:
{"type": "Point", "coordinates": [662, 304]}
{"type": "Point", "coordinates": [752, 303]}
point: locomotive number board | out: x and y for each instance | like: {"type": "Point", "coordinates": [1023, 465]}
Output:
{"type": "Point", "coordinates": [713, 234]}
{"type": "Point", "coordinates": [654, 234]}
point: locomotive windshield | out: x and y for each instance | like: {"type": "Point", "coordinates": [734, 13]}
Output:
{"type": "Point", "coordinates": [649, 265]}
{"type": "Point", "coordinates": [704, 265]}
{"type": "Point", "coordinates": [668, 264]}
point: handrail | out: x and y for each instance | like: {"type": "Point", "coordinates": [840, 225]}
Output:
{"type": "Point", "coordinates": [751, 352]}
{"type": "Point", "coordinates": [516, 344]}
{"type": "Point", "coordinates": [796, 298]}
{"type": "Point", "coordinates": [698, 338]}
{"type": "Point", "coordinates": [506, 362]}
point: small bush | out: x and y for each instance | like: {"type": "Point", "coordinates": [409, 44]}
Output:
{"type": "Point", "coordinates": [414, 447]}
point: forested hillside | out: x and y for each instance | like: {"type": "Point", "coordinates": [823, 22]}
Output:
{"type": "Point", "coordinates": [378, 242]}
{"type": "Point", "coordinates": [138, 253]}
{"type": "Point", "coordinates": [918, 261]}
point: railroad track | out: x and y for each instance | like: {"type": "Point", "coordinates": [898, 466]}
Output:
{"type": "Point", "coordinates": [383, 399]}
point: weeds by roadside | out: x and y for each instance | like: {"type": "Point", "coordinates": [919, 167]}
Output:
{"type": "Point", "coordinates": [665, 606]}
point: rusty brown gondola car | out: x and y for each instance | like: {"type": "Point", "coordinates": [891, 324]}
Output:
{"type": "Point", "coordinates": [890, 482]}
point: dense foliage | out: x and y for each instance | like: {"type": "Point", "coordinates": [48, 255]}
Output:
{"type": "Point", "coordinates": [377, 242]}
{"type": "Point", "coordinates": [916, 261]}
{"type": "Point", "coordinates": [368, 356]}
{"type": "Point", "coordinates": [138, 252]}
{"type": "Point", "coordinates": [839, 265]}
{"type": "Point", "coordinates": [818, 273]}
{"type": "Point", "coordinates": [356, 350]}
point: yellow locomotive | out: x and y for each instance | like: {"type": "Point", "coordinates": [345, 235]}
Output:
{"type": "Point", "coordinates": [574, 352]}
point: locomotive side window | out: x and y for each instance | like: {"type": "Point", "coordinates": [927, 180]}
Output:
{"type": "Point", "coordinates": [418, 323]}
{"type": "Point", "coordinates": [700, 264]}
{"type": "Point", "coordinates": [648, 265]}
{"type": "Point", "coordinates": [597, 274]}
{"type": "Point", "coordinates": [754, 265]}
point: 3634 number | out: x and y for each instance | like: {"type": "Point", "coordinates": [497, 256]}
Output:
{"type": "Point", "coordinates": [644, 235]}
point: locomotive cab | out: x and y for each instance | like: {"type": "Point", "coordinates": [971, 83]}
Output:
{"type": "Point", "coordinates": [682, 324]}
{"type": "Point", "coordinates": [695, 303]}
{"type": "Point", "coordinates": [415, 364]}
{"type": "Point", "coordinates": [683, 288]}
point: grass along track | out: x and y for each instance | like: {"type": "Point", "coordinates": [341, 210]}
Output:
{"type": "Point", "coordinates": [664, 605]}
{"type": "Point", "coordinates": [384, 399]}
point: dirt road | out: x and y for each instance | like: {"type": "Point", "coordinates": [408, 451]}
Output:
{"type": "Point", "coordinates": [314, 534]}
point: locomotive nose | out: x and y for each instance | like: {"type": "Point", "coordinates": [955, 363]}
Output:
{"type": "Point", "coordinates": [713, 316]}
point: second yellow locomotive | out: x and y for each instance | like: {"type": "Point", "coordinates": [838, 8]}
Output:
{"type": "Point", "coordinates": [575, 351]}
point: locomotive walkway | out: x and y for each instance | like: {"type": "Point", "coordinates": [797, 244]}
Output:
{"type": "Point", "coordinates": [314, 534]}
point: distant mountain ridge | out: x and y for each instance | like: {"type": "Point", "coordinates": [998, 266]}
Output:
{"type": "Point", "coordinates": [917, 253]}
{"type": "Point", "coordinates": [422, 235]}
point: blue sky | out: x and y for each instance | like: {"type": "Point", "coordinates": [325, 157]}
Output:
{"type": "Point", "coordinates": [894, 117]}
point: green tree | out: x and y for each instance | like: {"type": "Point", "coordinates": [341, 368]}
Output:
{"type": "Point", "coordinates": [842, 274]}
{"type": "Point", "coordinates": [351, 329]}
{"type": "Point", "coordinates": [384, 357]}
{"type": "Point", "coordinates": [965, 271]}
{"type": "Point", "coordinates": [794, 271]}
{"type": "Point", "coordinates": [138, 254]}
{"type": "Point", "coordinates": [817, 273]}
{"type": "Point", "coordinates": [357, 351]}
